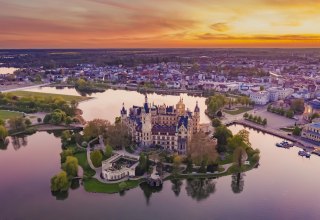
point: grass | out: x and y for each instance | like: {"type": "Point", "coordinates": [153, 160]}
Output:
{"type": "Point", "coordinates": [68, 98]}
{"type": "Point", "coordinates": [83, 162]}
{"type": "Point", "coordinates": [239, 110]}
{"type": "Point", "coordinates": [4, 114]}
{"type": "Point", "coordinates": [93, 185]}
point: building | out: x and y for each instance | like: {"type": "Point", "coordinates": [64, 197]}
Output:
{"type": "Point", "coordinates": [167, 126]}
{"type": "Point", "coordinates": [118, 167]}
{"type": "Point", "coordinates": [279, 93]}
{"type": "Point", "coordinates": [311, 108]}
{"type": "Point", "coordinates": [311, 132]}
{"type": "Point", "coordinates": [260, 97]}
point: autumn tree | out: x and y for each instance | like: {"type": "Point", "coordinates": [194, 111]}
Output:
{"type": "Point", "coordinates": [202, 148]}
{"type": "Point", "coordinates": [95, 128]}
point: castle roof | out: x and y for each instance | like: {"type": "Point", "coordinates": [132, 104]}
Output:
{"type": "Point", "coordinates": [163, 129]}
{"type": "Point", "coordinates": [183, 120]}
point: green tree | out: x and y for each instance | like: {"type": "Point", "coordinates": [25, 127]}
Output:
{"type": "Point", "coordinates": [96, 158]}
{"type": "Point", "coordinates": [245, 115]}
{"type": "Point", "coordinates": [264, 122]}
{"type": "Point", "coordinates": [71, 166]}
{"type": "Point", "coordinates": [64, 154]}
{"type": "Point", "coordinates": [108, 151]}
{"type": "Point", "coordinates": [3, 133]}
{"type": "Point", "coordinates": [60, 182]}
{"type": "Point", "coordinates": [222, 133]}
{"type": "Point", "coordinates": [296, 131]}
{"type": "Point", "coordinates": [123, 186]}
{"type": "Point", "coordinates": [289, 113]}
{"type": "Point", "coordinates": [216, 122]}
{"type": "Point", "coordinates": [17, 123]}
{"type": "Point", "coordinates": [177, 160]}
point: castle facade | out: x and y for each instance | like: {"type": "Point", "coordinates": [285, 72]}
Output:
{"type": "Point", "coordinates": [167, 126]}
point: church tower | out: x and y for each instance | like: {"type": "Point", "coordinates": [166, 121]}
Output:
{"type": "Point", "coordinates": [196, 119]}
{"type": "Point", "coordinates": [146, 139]}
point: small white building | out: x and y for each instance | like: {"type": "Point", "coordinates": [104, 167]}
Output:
{"type": "Point", "coordinates": [260, 97]}
{"type": "Point", "coordinates": [110, 172]}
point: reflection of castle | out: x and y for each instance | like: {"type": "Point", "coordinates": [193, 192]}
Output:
{"type": "Point", "coordinates": [162, 125]}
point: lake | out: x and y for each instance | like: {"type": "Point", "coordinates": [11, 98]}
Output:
{"type": "Point", "coordinates": [7, 70]}
{"type": "Point", "coordinates": [284, 186]}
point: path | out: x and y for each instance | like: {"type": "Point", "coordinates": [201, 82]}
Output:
{"type": "Point", "coordinates": [27, 87]}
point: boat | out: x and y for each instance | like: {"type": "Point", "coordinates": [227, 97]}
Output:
{"type": "Point", "coordinates": [304, 154]}
{"type": "Point", "coordinates": [284, 144]}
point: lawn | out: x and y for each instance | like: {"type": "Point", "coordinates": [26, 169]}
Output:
{"type": "Point", "coordinates": [4, 114]}
{"type": "Point", "coordinates": [239, 110]}
{"type": "Point", "coordinates": [68, 98]}
{"type": "Point", "coordinates": [82, 160]}
{"type": "Point", "coordinates": [93, 185]}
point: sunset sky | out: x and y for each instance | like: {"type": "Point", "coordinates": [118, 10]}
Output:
{"type": "Point", "coordinates": [159, 23]}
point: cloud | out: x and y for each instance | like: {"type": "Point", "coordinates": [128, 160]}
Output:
{"type": "Point", "coordinates": [220, 27]}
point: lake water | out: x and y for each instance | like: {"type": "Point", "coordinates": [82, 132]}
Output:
{"type": "Point", "coordinates": [284, 186]}
{"type": "Point", "coordinates": [6, 70]}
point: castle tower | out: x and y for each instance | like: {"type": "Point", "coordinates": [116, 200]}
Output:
{"type": "Point", "coordinates": [196, 119]}
{"type": "Point", "coordinates": [146, 139]}
{"type": "Point", "coordinates": [180, 108]}
{"type": "Point", "coordinates": [123, 113]}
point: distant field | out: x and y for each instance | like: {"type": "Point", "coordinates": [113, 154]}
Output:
{"type": "Point", "coordinates": [238, 111]}
{"type": "Point", "coordinates": [68, 98]}
{"type": "Point", "coordinates": [4, 114]}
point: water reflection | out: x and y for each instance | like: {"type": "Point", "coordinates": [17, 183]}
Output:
{"type": "Point", "coordinates": [237, 183]}
{"type": "Point", "coordinates": [60, 195]}
{"type": "Point", "coordinates": [148, 191]}
{"type": "Point", "coordinates": [200, 189]}
{"type": "Point", "coordinates": [176, 186]}
{"type": "Point", "coordinates": [19, 141]}
{"type": "Point", "coordinates": [4, 144]}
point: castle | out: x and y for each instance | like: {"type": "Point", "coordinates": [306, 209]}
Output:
{"type": "Point", "coordinates": [169, 127]}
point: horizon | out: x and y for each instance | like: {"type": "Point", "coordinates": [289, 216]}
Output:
{"type": "Point", "coordinates": [88, 24]}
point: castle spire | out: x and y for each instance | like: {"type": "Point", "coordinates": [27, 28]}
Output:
{"type": "Point", "coordinates": [197, 109]}
{"type": "Point", "coordinates": [146, 98]}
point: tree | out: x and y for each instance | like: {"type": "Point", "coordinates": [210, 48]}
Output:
{"type": "Point", "coordinates": [296, 131]}
{"type": "Point", "coordinates": [289, 113]}
{"type": "Point", "coordinates": [245, 115]}
{"type": "Point", "coordinates": [261, 88]}
{"type": "Point", "coordinates": [314, 115]}
{"type": "Point", "coordinates": [222, 133]}
{"type": "Point", "coordinates": [244, 134]}
{"type": "Point", "coordinates": [2, 122]}
{"type": "Point", "coordinates": [3, 133]}
{"type": "Point", "coordinates": [219, 114]}
{"type": "Point", "coordinates": [216, 122]}
{"type": "Point", "coordinates": [259, 120]}
{"type": "Point", "coordinates": [297, 105]}
{"type": "Point", "coordinates": [202, 147]}
{"type": "Point", "coordinates": [143, 162]}
{"type": "Point", "coordinates": [27, 122]}
{"type": "Point", "coordinates": [189, 165]}
{"type": "Point", "coordinates": [108, 151]}
{"type": "Point", "coordinates": [64, 154]}
{"type": "Point", "coordinates": [264, 122]}
{"type": "Point", "coordinates": [60, 182]}
{"type": "Point", "coordinates": [96, 158]}
{"type": "Point", "coordinates": [176, 164]}
{"type": "Point", "coordinates": [95, 128]}
{"type": "Point", "coordinates": [39, 120]}
{"type": "Point", "coordinates": [203, 166]}
{"type": "Point", "coordinates": [123, 186]}
{"type": "Point", "coordinates": [71, 166]}
{"type": "Point", "coordinates": [17, 123]}
{"type": "Point", "coordinates": [239, 155]}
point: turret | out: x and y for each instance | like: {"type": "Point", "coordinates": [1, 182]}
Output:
{"type": "Point", "coordinates": [123, 112]}
{"type": "Point", "coordinates": [196, 119]}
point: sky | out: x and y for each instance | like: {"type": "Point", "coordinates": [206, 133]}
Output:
{"type": "Point", "coordinates": [159, 23]}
